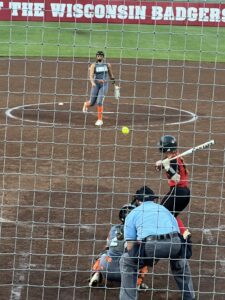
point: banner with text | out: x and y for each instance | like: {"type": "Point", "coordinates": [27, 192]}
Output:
{"type": "Point", "coordinates": [125, 12]}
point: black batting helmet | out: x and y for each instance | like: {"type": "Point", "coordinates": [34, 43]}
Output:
{"type": "Point", "coordinates": [125, 210]}
{"type": "Point", "coordinates": [167, 143]}
{"type": "Point", "coordinates": [144, 194]}
{"type": "Point", "coordinates": [100, 53]}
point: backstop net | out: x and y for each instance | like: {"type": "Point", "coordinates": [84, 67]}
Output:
{"type": "Point", "coordinates": [64, 179]}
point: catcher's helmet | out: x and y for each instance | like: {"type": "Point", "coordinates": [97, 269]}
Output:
{"type": "Point", "coordinates": [100, 53]}
{"type": "Point", "coordinates": [167, 143]}
{"type": "Point", "coordinates": [125, 210]}
{"type": "Point", "coordinates": [144, 194]}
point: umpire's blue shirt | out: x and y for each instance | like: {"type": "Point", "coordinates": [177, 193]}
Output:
{"type": "Point", "coordinates": [147, 219]}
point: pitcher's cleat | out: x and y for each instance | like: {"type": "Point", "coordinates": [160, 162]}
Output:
{"type": "Point", "coordinates": [85, 109]}
{"type": "Point", "coordinates": [95, 279]}
{"type": "Point", "coordinates": [99, 123]}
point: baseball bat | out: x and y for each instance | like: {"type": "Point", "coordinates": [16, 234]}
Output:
{"type": "Point", "coordinates": [189, 151]}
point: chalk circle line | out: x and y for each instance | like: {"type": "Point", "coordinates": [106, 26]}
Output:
{"type": "Point", "coordinates": [10, 114]}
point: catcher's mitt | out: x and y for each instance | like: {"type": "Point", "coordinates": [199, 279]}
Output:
{"type": "Point", "coordinates": [116, 92]}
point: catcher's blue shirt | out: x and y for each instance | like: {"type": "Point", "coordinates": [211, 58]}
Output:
{"type": "Point", "coordinates": [116, 246]}
{"type": "Point", "coordinates": [147, 219]}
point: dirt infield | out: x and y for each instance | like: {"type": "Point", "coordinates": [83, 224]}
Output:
{"type": "Point", "coordinates": [63, 180]}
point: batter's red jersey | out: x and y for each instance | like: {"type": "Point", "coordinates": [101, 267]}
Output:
{"type": "Point", "coordinates": [181, 170]}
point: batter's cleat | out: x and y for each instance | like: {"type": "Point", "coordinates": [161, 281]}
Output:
{"type": "Point", "coordinates": [95, 279]}
{"type": "Point", "coordinates": [99, 123]}
{"type": "Point", "coordinates": [186, 234]}
{"type": "Point", "coordinates": [85, 109]}
{"type": "Point", "coordinates": [143, 287]}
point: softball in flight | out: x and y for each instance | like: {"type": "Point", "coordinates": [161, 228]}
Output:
{"type": "Point", "coordinates": [125, 130]}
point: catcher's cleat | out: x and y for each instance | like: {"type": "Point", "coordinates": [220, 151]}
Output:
{"type": "Point", "coordinates": [95, 279]}
{"type": "Point", "coordinates": [85, 109]}
{"type": "Point", "coordinates": [143, 287]}
{"type": "Point", "coordinates": [99, 123]}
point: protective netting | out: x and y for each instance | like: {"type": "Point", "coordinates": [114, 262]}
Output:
{"type": "Point", "coordinates": [64, 180]}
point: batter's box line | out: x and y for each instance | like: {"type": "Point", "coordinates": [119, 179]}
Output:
{"type": "Point", "coordinates": [88, 228]}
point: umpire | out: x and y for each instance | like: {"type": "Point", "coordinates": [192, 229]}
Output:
{"type": "Point", "coordinates": [152, 233]}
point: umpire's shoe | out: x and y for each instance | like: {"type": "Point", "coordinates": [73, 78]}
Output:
{"type": "Point", "coordinates": [95, 279]}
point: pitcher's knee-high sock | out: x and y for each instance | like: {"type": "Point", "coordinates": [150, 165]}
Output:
{"type": "Point", "coordinates": [100, 111]}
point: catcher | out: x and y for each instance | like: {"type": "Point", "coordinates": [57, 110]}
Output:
{"type": "Point", "coordinates": [107, 264]}
{"type": "Point", "coordinates": [178, 196]}
{"type": "Point", "coordinates": [100, 72]}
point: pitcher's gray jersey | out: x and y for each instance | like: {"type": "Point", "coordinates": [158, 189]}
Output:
{"type": "Point", "coordinates": [101, 71]}
{"type": "Point", "coordinates": [101, 79]}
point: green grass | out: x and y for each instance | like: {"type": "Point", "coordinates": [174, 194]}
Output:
{"type": "Point", "coordinates": [125, 41]}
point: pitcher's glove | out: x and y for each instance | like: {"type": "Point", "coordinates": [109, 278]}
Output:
{"type": "Point", "coordinates": [116, 92]}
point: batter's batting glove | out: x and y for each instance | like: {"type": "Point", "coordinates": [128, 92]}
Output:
{"type": "Point", "coordinates": [166, 164]}
{"type": "Point", "coordinates": [158, 165]}
{"type": "Point", "coordinates": [176, 177]}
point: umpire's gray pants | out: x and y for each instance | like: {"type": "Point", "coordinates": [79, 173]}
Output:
{"type": "Point", "coordinates": [156, 249]}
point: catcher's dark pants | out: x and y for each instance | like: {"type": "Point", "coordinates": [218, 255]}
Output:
{"type": "Point", "coordinates": [176, 199]}
{"type": "Point", "coordinates": [110, 267]}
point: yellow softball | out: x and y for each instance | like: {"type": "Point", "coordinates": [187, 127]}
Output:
{"type": "Point", "coordinates": [125, 130]}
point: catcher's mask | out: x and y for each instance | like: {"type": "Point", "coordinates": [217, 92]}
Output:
{"type": "Point", "coordinates": [125, 210]}
{"type": "Point", "coordinates": [167, 143]}
{"type": "Point", "coordinates": [144, 194]}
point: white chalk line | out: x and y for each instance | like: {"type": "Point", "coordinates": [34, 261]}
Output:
{"type": "Point", "coordinates": [89, 228]}
{"type": "Point", "coordinates": [210, 238]}
{"type": "Point", "coordinates": [9, 114]}
{"type": "Point", "coordinates": [19, 274]}
{"type": "Point", "coordinates": [2, 220]}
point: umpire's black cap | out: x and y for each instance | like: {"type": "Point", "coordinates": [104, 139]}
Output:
{"type": "Point", "coordinates": [145, 194]}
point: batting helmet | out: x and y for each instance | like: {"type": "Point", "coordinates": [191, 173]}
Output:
{"type": "Point", "coordinates": [100, 53]}
{"type": "Point", "coordinates": [144, 194]}
{"type": "Point", "coordinates": [167, 143]}
{"type": "Point", "coordinates": [125, 210]}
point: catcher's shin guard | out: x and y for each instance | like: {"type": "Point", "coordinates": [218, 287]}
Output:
{"type": "Point", "coordinates": [141, 274]}
{"type": "Point", "coordinates": [96, 266]}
